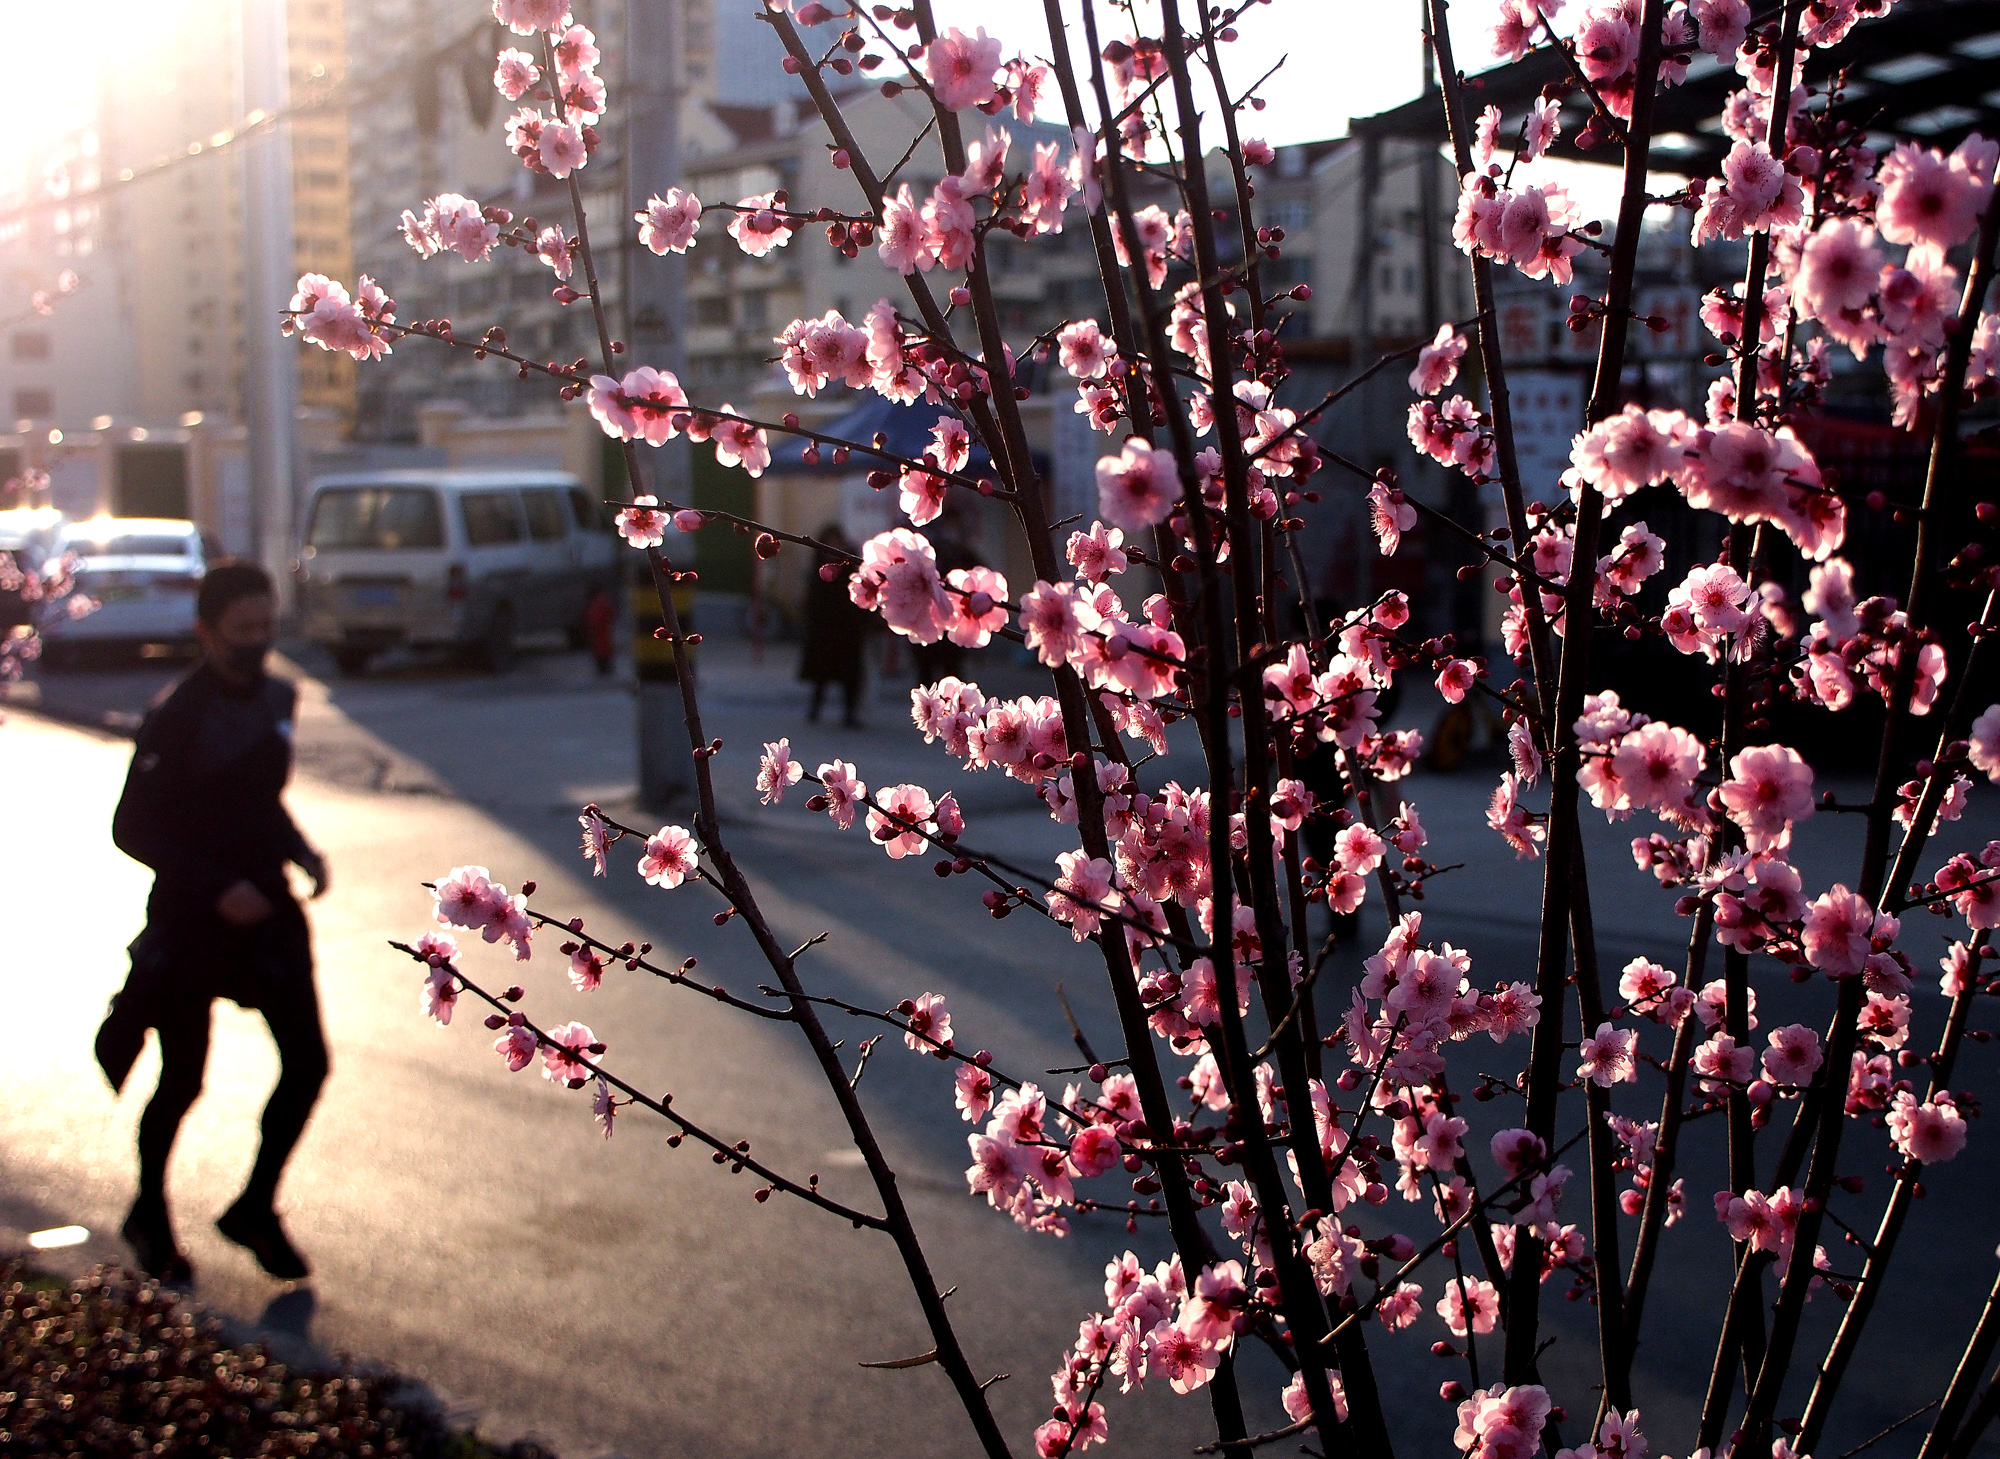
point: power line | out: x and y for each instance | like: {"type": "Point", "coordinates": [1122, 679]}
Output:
{"type": "Point", "coordinates": [334, 96]}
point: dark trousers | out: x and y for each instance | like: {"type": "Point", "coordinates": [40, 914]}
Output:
{"type": "Point", "coordinates": [268, 968]}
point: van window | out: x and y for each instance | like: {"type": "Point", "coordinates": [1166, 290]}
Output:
{"type": "Point", "coordinates": [545, 514]}
{"type": "Point", "coordinates": [376, 516]}
{"type": "Point", "coordinates": [491, 517]}
{"type": "Point", "coordinates": [131, 546]}
{"type": "Point", "coordinates": [589, 515]}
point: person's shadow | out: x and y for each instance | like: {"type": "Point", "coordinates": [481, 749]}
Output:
{"type": "Point", "coordinates": [291, 1313]}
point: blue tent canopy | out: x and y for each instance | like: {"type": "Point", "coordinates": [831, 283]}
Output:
{"type": "Point", "coordinates": [908, 432]}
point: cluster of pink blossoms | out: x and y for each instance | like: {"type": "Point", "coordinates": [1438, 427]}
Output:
{"type": "Point", "coordinates": [325, 314]}
{"type": "Point", "coordinates": [555, 145]}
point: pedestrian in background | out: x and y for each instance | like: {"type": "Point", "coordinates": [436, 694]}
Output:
{"type": "Point", "coordinates": [202, 808]}
{"type": "Point", "coordinates": [835, 629]}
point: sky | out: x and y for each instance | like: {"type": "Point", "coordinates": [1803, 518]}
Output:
{"type": "Point", "coordinates": [1341, 59]}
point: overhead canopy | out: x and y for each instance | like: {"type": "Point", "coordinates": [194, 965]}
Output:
{"type": "Point", "coordinates": [1927, 71]}
{"type": "Point", "coordinates": [907, 429]}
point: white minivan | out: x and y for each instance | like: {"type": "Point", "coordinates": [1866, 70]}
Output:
{"type": "Point", "coordinates": [450, 558]}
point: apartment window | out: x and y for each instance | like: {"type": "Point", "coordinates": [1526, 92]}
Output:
{"type": "Point", "coordinates": [34, 403]}
{"type": "Point", "coordinates": [711, 312]}
{"type": "Point", "coordinates": [31, 344]}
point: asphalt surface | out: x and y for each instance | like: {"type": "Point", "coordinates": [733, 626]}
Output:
{"type": "Point", "coordinates": [472, 1228]}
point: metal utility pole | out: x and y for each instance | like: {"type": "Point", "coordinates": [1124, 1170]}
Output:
{"type": "Point", "coordinates": [655, 334]}
{"type": "Point", "coordinates": [270, 366]}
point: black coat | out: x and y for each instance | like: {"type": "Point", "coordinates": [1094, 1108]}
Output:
{"type": "Point", "coordinates": [202, 807]}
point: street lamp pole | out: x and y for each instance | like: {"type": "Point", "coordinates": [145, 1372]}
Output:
{"type": "Point", "coordinates": [655, 313]}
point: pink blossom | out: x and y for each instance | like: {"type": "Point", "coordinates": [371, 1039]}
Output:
{"type": "Point", "coordinates": [777, 770]}
{"type": "Point", "coordinates": [1084, 351]}
{"type": "Point", "coordinates": [1098, 553]}
{"type": "Point", "coordinates": [1092, 1151]}
{"type": "Point", "coordinates": [640, 525]}
{"type": "Point", "coordinates": [1607, 45]}
{"type": "Point", "coordinates": [451, 223]}
{"type": "Point", "coordinates": [466, 898]}
{"type": "Point", "coordinates": [948, 223]}
{"type": "Point", "coordinates": [1137, 488]}
{"type": "Point", "coordinates": [603, 1107]}
{"type": "Point", "coordinates": [440, 991]}
{"type": "Point", "coordinates": [1794, 1056]}
{"type": "Point", "coordinates": [1469, 1302]}
{"type": "Point", "coordinates": [1769, 788]}
{"type": "Point", "coordinates": [1485, 141]}
{"type": "Point", "coordinates": [1837, 930]}
{"type": "Point", "coordinates": [972, 1091]}
{"type": "Point", "coordinates": [528, 17]}
{"type": "Point", "coordinates": [1932, 1132]}
{"type": "Point", "coordinates": [902, 244]}
{"type": "Point", "coordinates": [921, 495]}
{"type": "Point", "coordinates": [560, 1061]}
{"type": "Point", "coordinates": [1761, 192]}
{"type": "Point", "coordinates": [1455, 678]}
{"type": "Point", "coordinates": [1984, 742]}
{"type": "Point", "coordinates": [899, 820]}
{"type": "Point", "coordinates": [670, 222]}
{"type": "Point", "coordinates": [1390, 515]}
{"type": "Point", "coordinates": [1049, 186]}
{"type": "Point", "coordinates": [1927, 198]}
{"type": "Point", "coordinates": [561, 149]}
{"type": "Point", "coordinates": [898, 575]}
{"type": "Point", "coordinates": [643, 405]}
{"type": "Point", "coordinates": [757, 227]}
{"type": "Point", "coordinates": [1721, 1063]}
{"type": "Point", "coordinates": [1082, 893]}
{"type": "Point", "coordinates": [1608, 1056]}
{"type": "Point", "coordinates": [670, 858]}
{"type": "Point", "coordinates": [1724, 24]}
{"type": "Point", "coordinates": [552, 247]}
{"type": "Point", "coordinates": [326, 315]}
{"type": "Point", "coordinates": [929, 1024]}
{"type": "Point", "coordinates": [1437, 362]}
{"type": "Point", "coordinates": [1633, 449]}
{"type": "Point", "coordinates": [586, 969]}
{"type": "Point", "coordinates": [1054, 619]}
{"type": "Point", "coordinates": [1544, 125]}
{"type": "Point", "coordinates": [1838, 269]}
{"type": "Point", "coordinates": [1187, 1363]}
{"type": "Point", "coordinates": [844, 794]}
{"type": "Point", "coordinates": [516, 1046]}
{"type": "Point", "coordinates": [515, 73]}
{"type": "Point", "coordinates": [1506, 814]}
{"type": "Point", "coordinates": [960, 68]}
{"type": "Point", "coordinates": [739, 443]}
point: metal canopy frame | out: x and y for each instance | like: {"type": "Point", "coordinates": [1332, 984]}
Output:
{"type": "Point", "coordinates": [1928, 71]}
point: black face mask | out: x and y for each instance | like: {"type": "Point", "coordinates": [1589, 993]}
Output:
{"type": "Point", "coordinates": [246, 660]}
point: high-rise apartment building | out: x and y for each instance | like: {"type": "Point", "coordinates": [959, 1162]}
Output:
{"type": "Point", "coordinates": [135, 188]}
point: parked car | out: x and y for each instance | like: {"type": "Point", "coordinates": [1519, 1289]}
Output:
{"type": "Point", "coordinates": [143, 572]}
{"type": "Point", "coordinates": [450, 558]}
{"type": "Point", "coordinates": [27, 535]}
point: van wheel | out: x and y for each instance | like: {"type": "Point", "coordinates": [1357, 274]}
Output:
{"type": "Point", "coordinates": [496, 649]}
{"type": "Point", "coordinates": [352, 662]}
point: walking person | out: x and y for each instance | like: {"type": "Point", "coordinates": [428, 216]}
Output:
{"type": "Point", "coordinates": [835, 630]}
{"type": "Point", "coordinates": [202, 808]}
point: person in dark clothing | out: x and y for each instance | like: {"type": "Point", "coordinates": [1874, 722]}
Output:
{"type": "Point", "coordinates": [835, 630]}
{"type": "Point", "coordinates": [202, 808]}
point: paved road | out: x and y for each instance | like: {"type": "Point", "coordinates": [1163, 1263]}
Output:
{"type": "Point", "coordinates": [471, 1227]}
